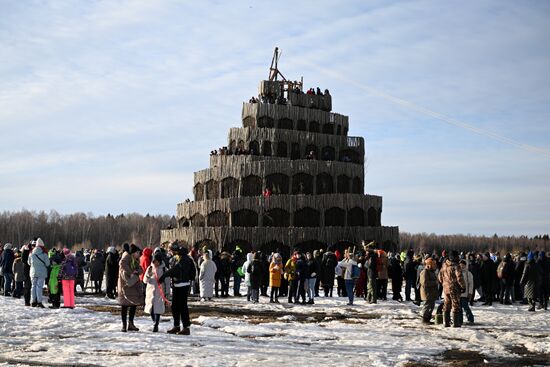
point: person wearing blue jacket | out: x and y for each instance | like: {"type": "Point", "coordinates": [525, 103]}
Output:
{"type": "Point", "coordinates": [39, 263]}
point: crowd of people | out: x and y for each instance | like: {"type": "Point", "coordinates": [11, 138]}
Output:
{"type": "Point", "coordinates": [272, 99]}
{"type": "Point", "coordinates": [167, 275]}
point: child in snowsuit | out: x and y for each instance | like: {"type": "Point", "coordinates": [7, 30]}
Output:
{"type": "Point", "coordinates": [54, 283]}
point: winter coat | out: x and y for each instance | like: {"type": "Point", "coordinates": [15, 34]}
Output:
{"type": "Point", "coordinates": [474, 268]}
{"type": "Point", "coordinates": [544, 269]}
{"type": "Point", "coordinates": [301, 269]}
{"type": "Point", "coordinates": [237, 262]}
{"type": "Point", "coordinates": [275, 274]}
{"type": "Point", "coordinates": [225, 265]}
{"type": "Point", "coordinates": [39, 263]}
{"type": "Point", "coordinates": [519, 271]}
{"type": "Point", "coordinates": [207, 278]}
{"type": "Point", "coordinates": [410, 269]}
{"type": "Point", "coordinates": [347, 265]}
{"type": "Point", "coordinates": [469, 283]}
{"type": "Point", "coordinates": [81, 262]}
{"type": "Point", "coordinates": [145, 260]}
{"type": "Point", "coordinates": [506, 270]}
{"type": "Point", "coordinates": [382, 265]}
{"type": "Point", "coordinates": [154, 302]}
{"type": "Point", "coordinates": [19, 270]}
{"type": "Point", "coordinates": [317, 257]}
{"type": "Point", "coordinates": [290, 269]}
{"type": "Point", "coordinates": [97, 267]}
{"type": "Point", "coordinates": [530, 279]}
{"type": "Point", "coordinates": [182, 272]}
{"type": "Point", "coordinates": [69, 268]}
{"type": "Point", "coordinates": [53, 283]}
{"type": "Point", "coordinates": [450, 276]}
{"type": "Point", "coordinates": [255, 271]}
{"type": "Point", "coordinates": [312, 268]}
{"type": "Point", "coordinates": [7, 261]}
{"type": "Point", "coordinates": [111, 268]}
{"type": "Point", "coordinates": [249, 258]}
{"type": "Point", "coordinates": [428, 285]}
{"type": "Point", "coordinates": [487, 271]}
{"type": "Point", "coordinates": [329, 263]}
{"type": "Point", "coordinates": [395, 271]}
{"type": "Point", "coordinates": [130, 291]}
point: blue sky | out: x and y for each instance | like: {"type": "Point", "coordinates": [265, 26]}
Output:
{"type": "Point", "coordinates": [110, 106]}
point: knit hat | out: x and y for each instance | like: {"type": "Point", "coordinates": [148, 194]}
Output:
{"type": "Point", "coordinates": [126, 247]}
{"type": "Point", "coordinates": [66, 251]}
{"type": "Point", "coordinates": [134, 248]}
{"type": "Point", "coordinates": [430, 262]}
{"type": "Point", "coordinates": [40, 243]}
{"type": "Point", "coordinates": [8, 246]}
{"type": "Point", "coordinates": [530, 256]}
{"type": "Point", "coordinates": [111, 250]}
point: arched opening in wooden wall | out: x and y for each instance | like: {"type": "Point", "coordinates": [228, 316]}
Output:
{"type": "Point", "coordinates": [251, 186]}
{"type": "Point", "coordinates": [325, 184]}
{"type": "Point", "coordinates": [244, 218]}
{"type": "Point", "coordinates": [307, 217]}
{"type": "Point", "coordinates": [356, 217]}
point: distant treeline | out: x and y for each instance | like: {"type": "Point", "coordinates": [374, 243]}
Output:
{"type": "Point", "coordinates": [87, 230]}
{"type": "Point", "coordinates": [430, 242]}
{"type": "Point", "coordinates": [82, 230]}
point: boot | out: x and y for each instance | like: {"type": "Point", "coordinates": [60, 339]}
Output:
{"type": "Point", "coordinates": [123, 329]}
{"type": "Point", "coordinates": [447, 317]}
{"type": "Point", "coordinates": [185, 331]}
{"type": "Point", "coordinates": [40, 305]}
{"type": "Point", "coordinates": [34, 304]}
{"type": "Point", "coordinates": [456, 320]}
{"type": "Point", "coordinates": [426, 320]}
{"type": "Point", "coordinates": [174, 330]}
{"type": "Point", "coordinates": [155, 328]}
{"type": "Point", "coordinates": [132, 327]}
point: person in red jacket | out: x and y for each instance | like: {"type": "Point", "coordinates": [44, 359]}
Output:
{"type": "Point", "coordinates": [145, 260]}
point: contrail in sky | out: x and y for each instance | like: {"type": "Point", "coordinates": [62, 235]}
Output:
{"type": "Point", "coordinates": [428, 112]}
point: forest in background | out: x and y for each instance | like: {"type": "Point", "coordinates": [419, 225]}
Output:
{"type": "Point", "coordinates": [89, 231]}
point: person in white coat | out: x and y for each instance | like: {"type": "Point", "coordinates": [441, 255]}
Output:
{"type": "Point", "coordinates": [155, 292]}
{"type": "Point", "coordinates": [39, 263]}
{"type": "Point", "coordinates": [207, 277]}
{"type": "Point", "coordinates": [249, 259]}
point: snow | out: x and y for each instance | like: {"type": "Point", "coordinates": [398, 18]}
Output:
{"type": "Point", "coordinates": [393, 338]}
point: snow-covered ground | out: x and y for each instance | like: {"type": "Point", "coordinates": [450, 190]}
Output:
{"type": "Point", "coordinates": [394, 337]}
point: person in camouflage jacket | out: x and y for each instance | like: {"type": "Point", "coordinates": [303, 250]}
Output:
{"type": "Point", "coordinates": [450, 276]}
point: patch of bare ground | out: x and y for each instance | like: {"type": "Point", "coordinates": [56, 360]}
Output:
{"type": "Point", "coordinates": [463, 358]}
{"type": "Point", "coordinates": [257, 316]}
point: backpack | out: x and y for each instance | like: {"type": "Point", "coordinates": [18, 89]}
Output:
{"type": "Point", "coordinates": [500, 270]}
